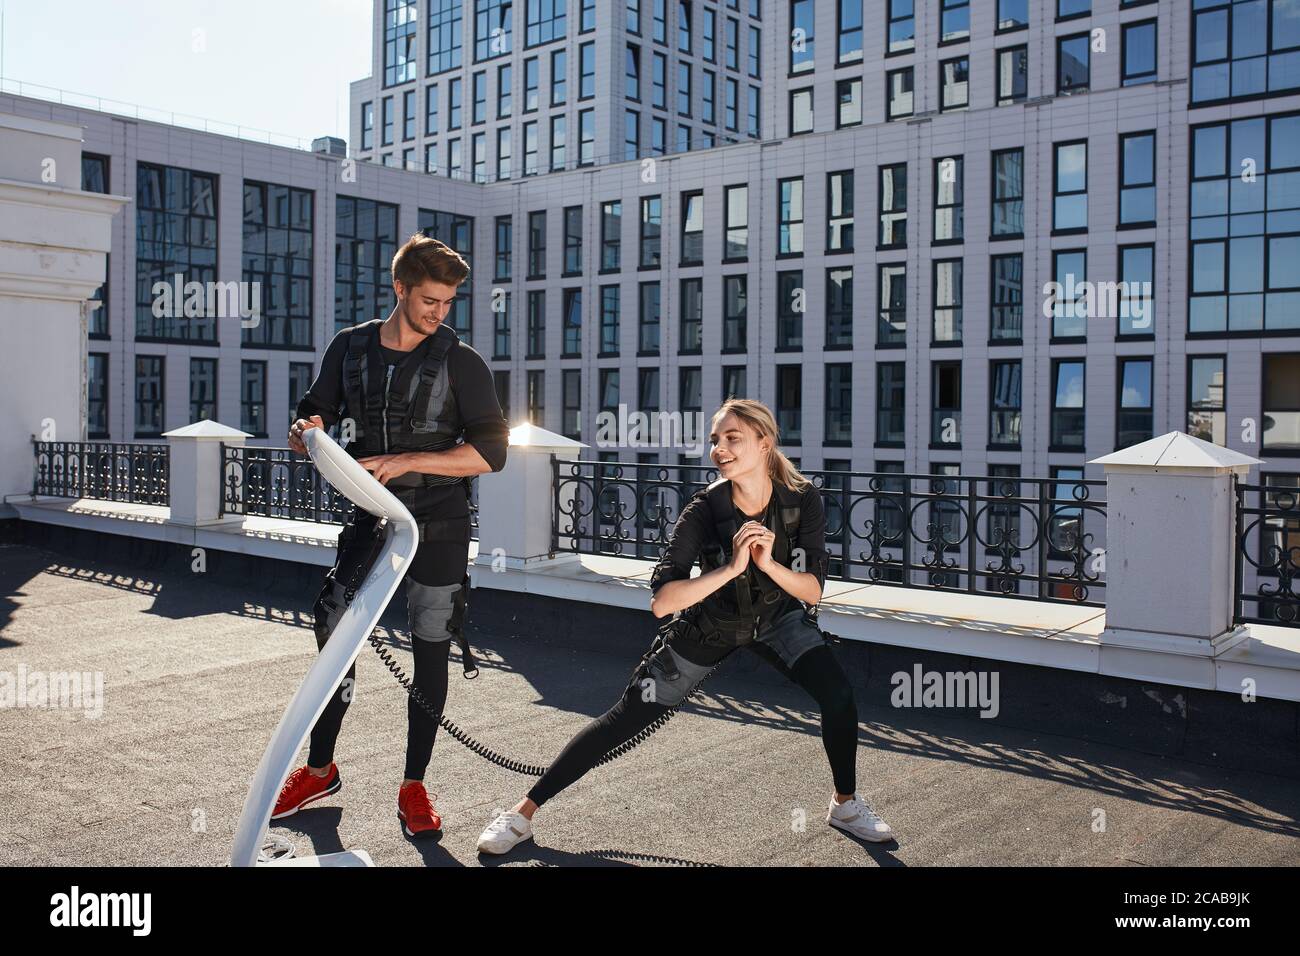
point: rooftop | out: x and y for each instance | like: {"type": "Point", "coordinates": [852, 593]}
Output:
{"type": "Point", "coordinates": [196, 677]}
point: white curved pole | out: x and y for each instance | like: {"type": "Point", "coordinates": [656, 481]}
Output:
{"type": "Point", "coordinates": [358, 621]}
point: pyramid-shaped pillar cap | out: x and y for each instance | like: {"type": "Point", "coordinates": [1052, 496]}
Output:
{"type": "Point", "coordinates": [532, 437]}
{"type": "Point", "coordinates": [1177, 451]}
{"type": "Point", "coordinates": [207, 428]}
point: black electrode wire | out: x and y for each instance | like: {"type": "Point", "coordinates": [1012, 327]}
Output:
{"type": "Point", "coordinates": [488, 754]}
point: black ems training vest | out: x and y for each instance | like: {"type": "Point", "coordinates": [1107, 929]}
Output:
{"type": "Point", "coordinates": [753, 594]}
{"type": "Point", "coordinates": [408, 407]}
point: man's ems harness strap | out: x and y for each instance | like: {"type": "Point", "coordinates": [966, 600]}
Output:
{"type": "Point", "coordinates": [414, 403]}
{"type": "Point", "coordinates": [469, 664]}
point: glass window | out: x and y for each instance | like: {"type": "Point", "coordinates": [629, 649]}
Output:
{"type": "Point", "coordinates": [945, 403]}
{"type": "Point", "coordinates": [692, 241]}
{"type": "Point", "coordinates": [611, 241]}
{"type": "Point", "coordinates": [901, 25]}
{"type": "Point", "coordinates": [839, 211]}
{"type": "Point", "coordinates": [278, 257]}
{"type": "Point", "coordinates": [1008, 192]}
{"type": "Point", "coordinates": [252, 398]}
{"type": "Point", "coordinates": [899, 90]}
{"type": "Point", "coordinates": [1007, 292]}
{"type": "Point", "coordinates": [1067, 404]}
{"type": "Point", "coordinates": [790, 217]}
{"type": "Point", "coordinates": [203, 389]}
{"type": "Point", "coordinates": [1281, 394]}
{"type": "Point", "coordinates": [1072, 66]}
{"type": "Point", "coordinates": [954, 84]}
{"type": "Point", "coordinates": [365, 241]}
{"type": "Point", "coordinates": [691, 331]}
{"type": "Point", "coordinates": [1012, 14]}
{"type": "Point", "coordinates": [735, 298]}
{"type": "Point", "coordinates": [1206, 409]}
{"type": "Point", "coordinates": [839, 308]}
{"type": "Point", "coordinates": [1136, 302]}
{"type": "Point", "coordinates": [1004, 403]}
{"type": "Point", "coordinates": [399, 41]}
{"type": "Point", "coordinates": [573, 240]}
{"type": "Point", "coordinates": [1245, 213]}
{"type": "Point", "coordinates": [736, 234]}
{"type": "Point", "coordinates": [954, 20]}
{"type": "Point", "coordinates": [651, 223]}
{"type": "Point", "coordinates": [892, 327]}
{"type": "Point", "coordinates": [848, 95]}
{"type": "Point", "coordinates": [947, 300]}
{"type": "Point", "coordinates": [176, 234]}
{"type": "Point", "coordinates": [1135, 417]}
{"type": "Point", "coordinates": [1139, 53]}
{"type": "Point", "coordinates": [891, 408]}
{"type": "Point", "coordinates": [1013, 75]}
{"type": "Point", "coordinates": [802, 17]}
{"type": "Point", "coordinates": [789, 404]}
{"type": "Point", "coordinates": [801, 111]}
{"type": "Point", "coordinates": [948, 199]}
{"type": "Point", "coordinates": [1244, 48]}
{"type": "Point", "coordinates": [444, 39]}
{"type": "Point", "coordinates": [648, 324]}
{"type": "Point", "coordinates": [893, 206]}
{"type": "Point", "coordinates": [537, 245]}
{"type": "Point", "coordinates": [839, 404]}
{"type": "Point", "coordinates": [850, 31]}
{"type": "Point", "coordinates": [1137, 196]}
{"type": "Point", "coordinates": [1070, 192]}
{"type": "Point", "coordinates": [790, 297]}
{"type": "Point", "coordinates": [572, 326]}
{"type": "Point", "coordinates": [545, 21]}
{"type": "Point", "coordinates": [609, 316]}
{"type": "Point", "coordinates": [1068, 300]}
{"type": "Point", "coordinates": [493, 28]}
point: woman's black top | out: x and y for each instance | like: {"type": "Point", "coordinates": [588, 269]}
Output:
{"type": "Point", "coordinates": [696, 532]}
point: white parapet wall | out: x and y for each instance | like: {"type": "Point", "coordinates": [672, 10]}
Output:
{"type": "Point", "coordinates": [54, 239]}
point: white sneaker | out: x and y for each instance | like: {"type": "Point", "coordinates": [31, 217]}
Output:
{"type": "Point", "coordinates": [504, 833]}
{"type": "Point", "coordinates": [856, 816]}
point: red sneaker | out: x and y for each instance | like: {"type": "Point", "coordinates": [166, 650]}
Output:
{"type": "Point", "coordinates": [303, 787]}
{"type": "Point", "coordinates": [419, 819]}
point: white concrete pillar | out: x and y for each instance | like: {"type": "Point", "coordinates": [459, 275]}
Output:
{"type": "Point", "coordinates": [1170, 554]}
{"type": "Point", "coordinates": [516, 504]}
{"type": "Point", "coordinates": [196, 476]}
{"type": "Point", "coordinates": [54, 239]}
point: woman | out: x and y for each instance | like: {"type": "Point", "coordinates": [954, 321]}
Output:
{"type": "Point", "coordinates": [755, 531]}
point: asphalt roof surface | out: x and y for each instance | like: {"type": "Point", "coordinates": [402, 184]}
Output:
{"type": "Point", "coordinates": [197, 673]}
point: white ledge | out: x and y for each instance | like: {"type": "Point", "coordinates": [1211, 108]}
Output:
{"type": "Point", "coordinates": [1042, 633]}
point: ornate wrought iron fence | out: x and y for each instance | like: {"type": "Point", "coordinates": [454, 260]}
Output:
{"type": "Point", "coordinates": [1268, 555]}
{"type": "Point", "coordinates": [278, 483]}
{"type": "Point", "coordinates": [135, 472]}
{"type": "Point", "coordinates": [1031, 538]}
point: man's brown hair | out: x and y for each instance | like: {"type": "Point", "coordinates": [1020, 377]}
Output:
{"type": "Point", "coordinates": [423, 258]}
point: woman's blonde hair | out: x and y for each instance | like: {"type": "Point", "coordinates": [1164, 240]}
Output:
{"type": "Point", "coordinates": [760, 418]}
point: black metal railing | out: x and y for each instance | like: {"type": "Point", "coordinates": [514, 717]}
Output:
{"type": "Point", "coordinates": [278, 483]}
{"type": "Point", "coordinates": [1268, 555]}
{"type": "Point", "coordinates": [1031, 538]}
{"type": "Point", "coordinates": [134, 472]}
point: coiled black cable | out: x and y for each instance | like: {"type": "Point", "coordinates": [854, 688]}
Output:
{"type": "Point", "coordinates": [459, 735]}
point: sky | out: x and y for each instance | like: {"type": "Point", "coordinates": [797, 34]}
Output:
{"type": "Point", "coordinates": [277, 65]}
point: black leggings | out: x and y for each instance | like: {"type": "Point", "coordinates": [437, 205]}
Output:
{"type": "Point", "coordinates": [436, 563]}
{"type": "Point", "coordinates": [816, 671]}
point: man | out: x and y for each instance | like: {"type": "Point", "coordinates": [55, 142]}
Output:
{"type": "Point", "coordinates": [424, 416]}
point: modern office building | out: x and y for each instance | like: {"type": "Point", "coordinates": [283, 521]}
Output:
{"type": "Point", "coordinates": [853, 210]}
